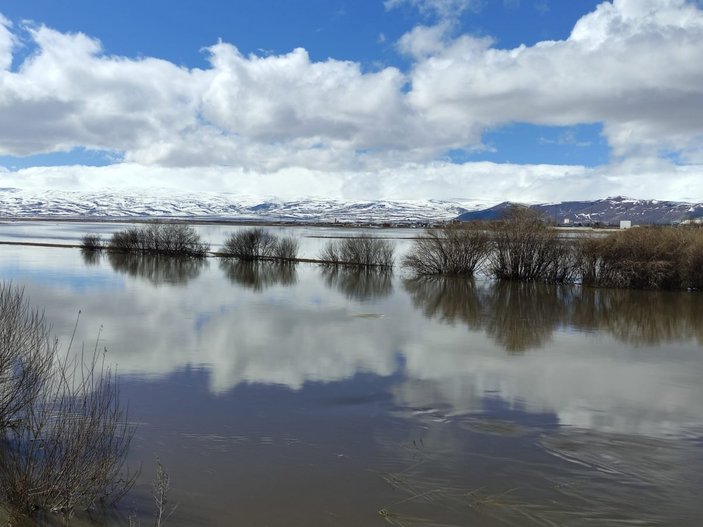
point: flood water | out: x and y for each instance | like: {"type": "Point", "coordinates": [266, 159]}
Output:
{"type": "Point", "coordinates": [303, 396]}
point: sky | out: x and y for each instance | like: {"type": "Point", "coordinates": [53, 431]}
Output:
{"type": "Point", "coordinates": [493, 100]}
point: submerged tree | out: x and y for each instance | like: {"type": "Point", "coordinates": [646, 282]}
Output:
{"type": "Point", "coordinates": [259, 244]}
{"type": "Point", "coordinates": [451, 250]}
{"type": "Point", "coordinates": [359, 252]}
{"type": "Point", "coordinates": [526, 248]}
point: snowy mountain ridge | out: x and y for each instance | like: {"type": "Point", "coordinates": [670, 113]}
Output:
{"type": "Point", "coordinates": [107, 204]}
{"type": "Point", "coordinates": [604, 211]}
{"type": "Point", "coordinates": [19, 203]}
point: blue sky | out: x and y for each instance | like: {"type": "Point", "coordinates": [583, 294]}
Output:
{"type": "Point", "coordinates": [411, 99]}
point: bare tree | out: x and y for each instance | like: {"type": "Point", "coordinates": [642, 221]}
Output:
{"type": "Point", "coordinates": [452, 250]}
{"type": "Point", "coordinates": [91, 242]}
{"type": "Point", "coordinates": [175, 239]}
{"type": "Point", "coordinates": [250, 244]}
{"type": "Point", "coordinates": [366, 251]}
{"type": "Point", "coordinates": [526, 249]}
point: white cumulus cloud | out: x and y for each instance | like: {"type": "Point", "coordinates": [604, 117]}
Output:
{"type": "Point", "coordinates": [635, 66]}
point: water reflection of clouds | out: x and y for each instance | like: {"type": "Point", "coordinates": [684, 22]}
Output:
{"type": "Point", "coordinates": [54, 268]}
{"type": "Point", "coordinates": [626, 368]}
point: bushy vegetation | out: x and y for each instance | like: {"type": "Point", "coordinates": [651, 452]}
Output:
{"type": "Point", "coordinates": [259, 244]}
{"type": "Point", "coordinates": [175, 239]}
{"type": "Point", "coordinates": [452, 250]}
{"type": "Point", "coordinates": [644, 258]}
{"type": "Point", "coordinates": [358, 252]}
{"type": "Point", "coordinates": [526, 248]}
{"type": "Point", "coordinates": [91, 242]}
{"type": "Point", "coordinates": [64, 433]}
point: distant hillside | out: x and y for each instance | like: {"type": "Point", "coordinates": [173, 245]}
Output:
{"type": "Point", "coordinates": [603, 211]}
{"type": "Point", "coordinates": [160, 203]}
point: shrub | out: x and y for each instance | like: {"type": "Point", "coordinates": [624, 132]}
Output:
{"type": "Point", "coordinates": [358, 252]}
{"type": "Point", "coordinates": [91, 242]}
{"type": "Point", "coordinates": [175, 239]}
{"type": "Point", "coordinates": [259, 244]}
{"type": "Point", "coordinates": [452, 250]}
{"type": "Point", "coordinates": [525, 248]}
{"type": "Point", "coordinates": [642, 258]}
{"type": "Point", "coordinates": [26, 355]}
{"type": "Point", "coordinates": [286, 249]}
{"type": "Point", "coordinates": [67, 450]}
{"type": "Point", "coordinates": [64, 433]}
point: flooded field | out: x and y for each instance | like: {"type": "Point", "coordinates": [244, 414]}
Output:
{"type": "Point", "coordinates": [299, 396]}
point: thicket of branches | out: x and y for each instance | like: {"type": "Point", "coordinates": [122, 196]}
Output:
{"type": "Point", "coordinates": [92, 242]}
{"type": "Point", "coordinates": [259, 244]}
{"type": "Point", "coordinates": [359, 252]}
{"type": "Point", "coordinates": [644, 258]}
{"type": "Point", "coordinates": [176, 239]}
{"type": "Point", "coordinates": [64, 434]}
{"type": "Point", "coordinates": [452, 250]}
{"type": "Point", "coordinates": [526, 248]}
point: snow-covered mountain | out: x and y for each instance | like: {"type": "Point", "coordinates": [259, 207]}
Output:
{"type": "Point", "coordinates": [20, 203]}
{"type": "Point", "coordinates": [604, 211]}
{"type": "Point", "coordinates": [143, 204]}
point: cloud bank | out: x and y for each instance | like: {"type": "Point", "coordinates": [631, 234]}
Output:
{"type": "Point", "coordinates": [287, 125]}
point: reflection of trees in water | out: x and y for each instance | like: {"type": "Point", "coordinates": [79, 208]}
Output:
{"type": "Point", "coordinates": [157, 269]}
{"type": "Point", "coordinates": [359, 284]}
{"type": "Point", "coordinates": [640, 317]}
{"type": "Point", "coordinates": [91, 257]}
{"type": "Point", "coordinates": [259, 275]}
{"type": "Point", "coordinates": [521, 316]}
{"type": "Point", "coordinates": [449, 299]}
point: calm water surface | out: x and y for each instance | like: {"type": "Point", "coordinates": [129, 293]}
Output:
{"type": "Point", "coordinates": [303, 396]}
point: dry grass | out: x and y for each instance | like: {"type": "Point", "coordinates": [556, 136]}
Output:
{"type": "Point", "coordinates": [644, 258]}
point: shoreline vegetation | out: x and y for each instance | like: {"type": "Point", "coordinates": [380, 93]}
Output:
{"type": "Point", "coordinates": [522, 246]}
{"type": "Point", "coordinates": [65, 432]}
